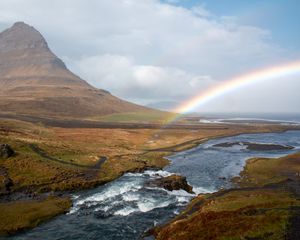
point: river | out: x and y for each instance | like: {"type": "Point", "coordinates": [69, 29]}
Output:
{"type": "Point", "coordinates": [125, 208]}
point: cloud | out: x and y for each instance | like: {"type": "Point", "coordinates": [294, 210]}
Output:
{"type": "Point", "coordinates": [274, 95]}
{"type": "Point", "coordinates": [146, 50]}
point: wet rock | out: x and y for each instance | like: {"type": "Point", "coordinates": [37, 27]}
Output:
{"type": "Point", "coordinates": [6, 151]}
{"type": "Point", "coordinates": [170, 183]}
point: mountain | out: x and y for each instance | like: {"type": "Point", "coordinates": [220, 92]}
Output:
{"type": "Point", "coordinates": [34, 81]}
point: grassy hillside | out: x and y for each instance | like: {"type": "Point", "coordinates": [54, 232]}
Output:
{"type": "Point", "coordinates": [139, 117]}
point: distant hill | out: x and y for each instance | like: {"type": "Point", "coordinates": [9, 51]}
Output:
{"type": "Point", "coordinates": [34, 81]}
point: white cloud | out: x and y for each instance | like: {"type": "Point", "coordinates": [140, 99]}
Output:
{"type": "Point", "coordinates": [146, 50]}
{"type": "Point", "coordinates": [273, 95]}
{"type": "Point", "coordinates": [121, 74]}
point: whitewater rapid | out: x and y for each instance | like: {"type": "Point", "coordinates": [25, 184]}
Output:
{"type": "Point", "coordinates": [129, 195]}
{"type": "Point", "coordinates": [127, 207]}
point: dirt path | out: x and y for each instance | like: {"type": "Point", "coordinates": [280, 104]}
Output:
{"type": "Point", "coordinates": [93, 171]}
{"type": "Point", "coordinates": [92, 168]}
{"type": "Point", "coordinates": [44, 155]}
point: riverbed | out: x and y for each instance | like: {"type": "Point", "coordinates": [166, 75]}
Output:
{"type": "Point", "coordinates": [126, 208]}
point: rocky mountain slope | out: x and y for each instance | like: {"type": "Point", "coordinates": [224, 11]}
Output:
{"type": "Point", "coordinates": [34, 81]}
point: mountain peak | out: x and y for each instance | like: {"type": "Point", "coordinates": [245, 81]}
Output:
{"type": "Point", "coordinates": [21, 24]}
{"type": "Point", "coordinates": [22, 46]}
{"type": "Point", "coordinates": [21, 36]}
{"type": "Point", "coordinates": [34, 81]}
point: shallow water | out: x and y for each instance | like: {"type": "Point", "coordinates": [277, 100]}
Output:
{"type": "Point", "coordinates": [125, 208]}
{"type": "Point", "coordinates": [205, 165]}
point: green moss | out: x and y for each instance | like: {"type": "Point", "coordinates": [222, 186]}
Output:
{"type": "Point", "coordinates": [155, 159]}
{"type": "Point", "coordinates": [238, 214]}
{"type": "Point", "coordinates": [17, 216]}
{"type": "Point", "coordinates": [235, 200]}
{"type": "Point", "coordinates": [263, 171]}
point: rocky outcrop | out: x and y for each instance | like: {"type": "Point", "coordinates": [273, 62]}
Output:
{"type": "Point", "coordinates": [170, 183]}
{"type": "Point", "coordinates": [5, 181]}
{"type": "Point", "coordinates": [6, 151]}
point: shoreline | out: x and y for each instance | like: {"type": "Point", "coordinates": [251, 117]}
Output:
{"type": "Point", "coordinates": [167, 151]}
{"type": "Point", "coordinates": [199, 141]}
{"type": "Point", "coordinates": [241, 183]}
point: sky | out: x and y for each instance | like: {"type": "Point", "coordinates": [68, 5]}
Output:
{"type": "Point", "coordinates": [165, 52]}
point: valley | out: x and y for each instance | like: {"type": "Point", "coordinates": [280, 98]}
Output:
{"type": "Point", "coordinates": [78, 161]}
{"type": "Point", "coordinates": [53, 161]}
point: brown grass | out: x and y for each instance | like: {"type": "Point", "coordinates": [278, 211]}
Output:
{"type": "Point", "coordinates": [20, 215]}
{"type": "Point", "coordinates": [262, 171]}
{"type": "Point", "coordinates": [251, 214]}
{"type": "Point", "coordinates": [125, 149]}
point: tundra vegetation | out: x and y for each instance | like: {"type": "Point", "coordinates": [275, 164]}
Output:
{"type": "Point", "coordinates": [264, 205]}
{"type": "Point", "coordinates": [49, 163]}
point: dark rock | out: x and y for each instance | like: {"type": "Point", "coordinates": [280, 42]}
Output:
{"type": "Point", "coordinates": [6, 151]}
{"type": "Point", "coordinates": [8, 183]}
{"type": "Point", "coordinates": [170, 183]}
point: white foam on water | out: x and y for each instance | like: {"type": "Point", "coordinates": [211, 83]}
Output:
{"type": "Point", "coordinates": [176, 212]}
{"type": "Point", "coordinates": [105, 208]}
{"type": "Point", "coordinates": [134, 174]}
{"type": "Point", "coordinates": [130, 197]}
{"type": "Point", "coordinates": [73, 210]}
{"type": "Point", "coordinates": [74, 197]}
{"type": "Point", "coordinates": [182, 199]}
{"type": "Point", "coordinates": [156, 174]}
{"type": "Point", "coordinates": [181, 193]}
{"type": "Point", "coordinates": [109, 205]}
{"type": "Point", "coordinates": [146, 205]}
{"type": "Point", "coordinates": [150, 204]}
{"type": "Point", "coordinates": [126, 211]}
{"type": "Point", "coordinates": [156, 188]}
{"type": "Point", "coordinates": [199, 190]}
{"type": "Point", "coordinates": [109, 193]}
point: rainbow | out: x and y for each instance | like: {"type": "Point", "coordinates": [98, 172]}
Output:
{"type": "Point", "coordinates": [238, 82]}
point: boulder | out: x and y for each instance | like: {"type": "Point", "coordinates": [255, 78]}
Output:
{"type": "Point", "coordinates": [170, 183]}
{"type": "Point", "coordinates": [6, 151]}
{"type": "Point", "coordinates": [8, 183]}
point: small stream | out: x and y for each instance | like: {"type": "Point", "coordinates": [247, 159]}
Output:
{"type": "Point", "coordinates": [125, 208]}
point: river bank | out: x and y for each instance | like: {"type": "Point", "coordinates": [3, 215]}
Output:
{"type": "Point", "coordinates": [125, 150]}
{"type": "Point", "coordinates": [263, 203]}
